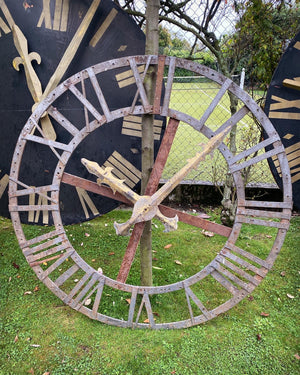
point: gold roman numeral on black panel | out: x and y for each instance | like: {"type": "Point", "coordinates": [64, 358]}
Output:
{"type": "Point", "coordinates": [132, 125]}
{"type": "Point", "coordinates": [123, 169]}
{"type": "Point", "coordinates": [280, 104]}
{"type": "Point", "coordinates": [6, 21]}
{"type": "Point", "coordinates": [86, 202]}
{"type": "Point", "coordinates": [3, 184]}
{"type": "Point", "coordinates": [104, 26]}
{"type": "Point", "coordinates": [60, 17]}
{"type": "Point", "coordinates": [127, 78]}
{"type": "Point", "coordinates": [293, 157]}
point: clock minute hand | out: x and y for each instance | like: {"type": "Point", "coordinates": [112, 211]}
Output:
{"type": "Point", "coordinates": [33, 82]}
{"type": "Point", "coordinates": [170, 185]}
{"type": "Point", "coordinates": [72, 49]}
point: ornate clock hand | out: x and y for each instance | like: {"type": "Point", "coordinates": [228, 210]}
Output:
{"type": "Point", "coordinates": [146, 207]}
{"type": "Point", "coordinates": [33, 82]}
{"type": "Point", "coordinates": [143, 209]}
{"type": "Point", "coordinates": [72, 49]}
{"type": "Point", "coordinates": [170, 185]}
{"type": "Point", "coordinates": [25, 59]}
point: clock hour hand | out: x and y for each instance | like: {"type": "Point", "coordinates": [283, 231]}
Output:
{"type": "Point", "coordinates": [143, 209]}
{"type": "Point", "coordinates": [33, 82]}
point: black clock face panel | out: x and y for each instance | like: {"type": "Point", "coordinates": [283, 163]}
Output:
{"type": "Point", "coordinates": [49, 27]}
{"type": "Point", "coordinates": [283, 109]}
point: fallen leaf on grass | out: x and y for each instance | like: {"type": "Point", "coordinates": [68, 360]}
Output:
{"type": "Point", "coordinates": [31, 371]}
{"type": "Point", "coordinates": [178, 262]}
{"type": "Point", "coordinates": [168, 246]}
{"type": "Point", "coordinates": [290, 296]}
{"type": "Point", "coordinates": [36, 289]}
{"type": "Point", "coordinates": [35, 346]}
{"type": "Point", "coordinates": [297, 356]}
{"type": "Point", "coordinates": [128, 300]}
{"type": "Point", "coordinates": [154, 259]}
{"type": "Point", "coordinates": [46, 373]}
{"type": "Point", "coordinates": [157, 268]}
{"type": "Point", "coordinates": [250, 298]}
{"type": "Point", "coordinates": [206, 233]}
{"type": "Point", "coordinates": [258, 336]}
{"type": "Point", "coordinates": [88, 302]}
{"type": "Point", "coordinates": [28, 292]}
{"type": "Point", "coordinates": [268, 236]}
{"type": "Point", "coordinates": [111, 253]}
{"type": "Point", "coordinates": [15, 265]}
{"type": "Point", "coordinates": [203, 215]}
{"type": "Point", "coordinates": [264, 314]}
{"type": "Point", "coordinates": [282, 273]}
{"type": "Point", "coordinates": [87, 235]}
{"type": "Point", "coordinates": [147, 320]}
{"type": "Point", "coordinates": [16, 338]}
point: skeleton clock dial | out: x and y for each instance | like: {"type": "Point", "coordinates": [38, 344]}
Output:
{"type": "Point", "coordinates": [41, 42]}
{"type": "Point", "coordinates": [233, 270]}
{"type": "Point", "coordinates": [283, 109]}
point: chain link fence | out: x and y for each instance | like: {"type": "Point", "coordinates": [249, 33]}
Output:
{"type": "Point", "coordinates": [193, 94]}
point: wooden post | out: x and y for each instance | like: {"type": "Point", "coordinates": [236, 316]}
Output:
{"type": "Point", "coordinates": [147, 136]}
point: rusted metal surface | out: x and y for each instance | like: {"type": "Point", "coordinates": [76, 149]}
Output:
{"type": "Point", "coordinates": [236, 270]}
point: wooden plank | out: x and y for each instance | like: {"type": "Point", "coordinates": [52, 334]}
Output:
{"type": "Point", "coordinates": [159, 84]}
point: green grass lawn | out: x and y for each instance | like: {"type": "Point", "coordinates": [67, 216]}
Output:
{"type": "Point", "coordinates": [39, 334]}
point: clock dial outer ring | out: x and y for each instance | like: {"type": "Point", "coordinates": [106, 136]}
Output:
{"type": "Point", "coordinates": [285, 116]}
{"type": "Point", "coordinates": [141, 290]}
{"type": "Point", "coordinates": [119, 36]}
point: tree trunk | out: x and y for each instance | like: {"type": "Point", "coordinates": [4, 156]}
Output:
{"type": "Point", "coordinates": [147, 136]}
{"type": "Point", "coordinates": [229, 199]}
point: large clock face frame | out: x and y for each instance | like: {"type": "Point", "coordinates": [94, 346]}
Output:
{"type": "Point", "coordinates": [49, 27]}
{"type": "Point", "coordinates": [283, 109]}
{"type": "Point", "coordinates": [234, 269]}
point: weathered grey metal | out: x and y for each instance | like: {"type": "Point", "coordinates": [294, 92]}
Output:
{"type": "Point", "coordinates": [238, 271]}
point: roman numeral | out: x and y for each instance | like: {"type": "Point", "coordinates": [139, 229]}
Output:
{"type": "Point", "coordinates": [53, 145]}
{"type": "Point", "coordinates": [60, 17]}
{"type": "Point", "coordinates": [126, 78]}
{"type": "Point", "coordinates": [81, 97]}
{"type": "Point", "coordinates": [104, 26]}
{"type": "Point", "coordinates": [260, 213]}
{"type": "Point", "coordinates": [123, 169]}
{"type": "Point", "coordinates": [84, 289]}
{"type": "Point", "coordinates": [293, 157]}
{"type": "Point", "coordinates": [281, 104]}
{"type": "Point", "coordinates": [86, 202]}
{"type": "Point", "coordinates": [3, 184]}
{"type": "Point", "coordinates": [190, 295]}
{"type": "Point", "coordinates": [132, 125]}
{"type": "Point", "coordinates": [236, 166]}
{"type": "Point", "coordinates": [34, 209]}
{"type": "Point", "coordinates": [63, 121]}
{"type": "Point", "coordinates": [5, 26]}
{"type": "Point", "coordinates": [145, 303]}
{"type": "Point", "coordinates": [99, 94]}
{"type": "Point", "coordinates": [45, 248]}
